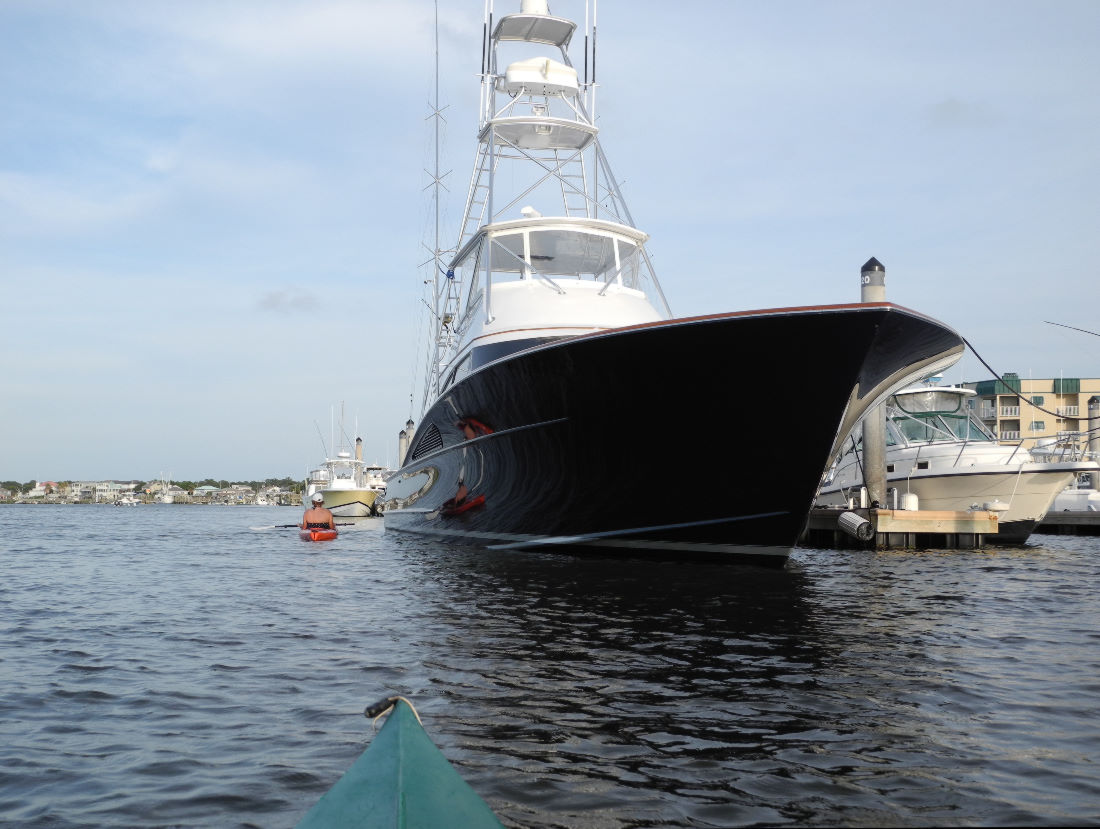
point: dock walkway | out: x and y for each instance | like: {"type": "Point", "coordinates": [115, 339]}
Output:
{"type": "Point", "coordinates": [901, 529]}
{"type": "Point", "coordinates": [1070, 522]}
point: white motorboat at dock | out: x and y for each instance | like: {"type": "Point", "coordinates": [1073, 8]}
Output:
{"type": "Point", "coordinates": [939, 453]}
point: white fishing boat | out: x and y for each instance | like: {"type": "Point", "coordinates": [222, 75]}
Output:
{"type": "Point", "coordinates": [349, 485]}
{"type": "Point", "coordinates": [938, 450]}
{"type": "Point", "coordinates": [127, 499]}
{"type": "Point", "coordinates": [557, 371]}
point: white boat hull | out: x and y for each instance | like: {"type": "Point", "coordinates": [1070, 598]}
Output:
{"type": "Point", "coordinates": [1028, 490]}
{"type": "Point", "coordinates": [349, 486]}
{"type": "Point", "coordinates": [1077, 500]}
{"type": "Point", "coordinates": [552, 447]}
{"type": "Point", "coordinates": [349, 503]}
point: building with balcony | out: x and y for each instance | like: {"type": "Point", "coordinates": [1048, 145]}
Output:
{"type": "Point", "coordinates": [1052, 411]}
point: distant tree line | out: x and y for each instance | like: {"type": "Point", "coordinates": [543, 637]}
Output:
{"type": "Point", "coordinates": [15, 486]}
{"type": "Point", "coordinates": [289, 484]}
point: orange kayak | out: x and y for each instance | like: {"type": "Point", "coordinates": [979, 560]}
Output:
{"type": "Point", "coordinates": [318, 534]}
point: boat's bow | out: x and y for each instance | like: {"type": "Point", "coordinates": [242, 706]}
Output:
{"type": "Point", "coordinates": [907, 346]}
{"type": "Point", "coordinates": [569, 434]}
{"type": "Point", "coordinates": [401, 780]}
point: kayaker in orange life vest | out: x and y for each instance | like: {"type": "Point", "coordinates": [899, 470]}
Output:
{"type": "Point", "coordinates": [317, 517]}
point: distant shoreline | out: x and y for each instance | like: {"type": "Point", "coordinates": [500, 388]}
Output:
{"type": "Point", "coordinates": [140, 504]}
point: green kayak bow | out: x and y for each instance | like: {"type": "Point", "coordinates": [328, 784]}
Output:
{"type": "Point", "coordinates": [402, 781]}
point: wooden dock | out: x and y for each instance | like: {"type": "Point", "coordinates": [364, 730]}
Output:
{"type": "Point", "coordinates": [1070, 522]}
{"type": "Point", "coordinates": [902, 529]}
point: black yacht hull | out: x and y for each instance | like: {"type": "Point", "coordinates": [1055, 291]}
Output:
{"type": "Point", "coordinates": [676, 439]}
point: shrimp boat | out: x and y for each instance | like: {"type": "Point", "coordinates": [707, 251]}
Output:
{"type": "Point", "coordinates": [558, 376]}
{"type": "Point", "coordinates": [164, 494]}
{"type": "Point", "coordinates": [937, 450]}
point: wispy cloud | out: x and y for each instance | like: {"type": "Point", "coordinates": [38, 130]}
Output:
{"type": "Point", "coordinates": [35, 204]}
{"type": "Point", "coordinates": [288, 301]}
{"type": "Point", "coordinates": [953, 113]}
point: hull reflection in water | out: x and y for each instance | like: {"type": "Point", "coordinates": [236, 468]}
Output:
{"type": "Point", "coordinates": [573, 444]}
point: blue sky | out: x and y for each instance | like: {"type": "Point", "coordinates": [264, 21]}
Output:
{"type": "Point", "coordinates": [212, 213]}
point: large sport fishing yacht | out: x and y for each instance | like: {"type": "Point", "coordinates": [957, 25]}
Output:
{"type": "Point", "coordinates": [558, 376]}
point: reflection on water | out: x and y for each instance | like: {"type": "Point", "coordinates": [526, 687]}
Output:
{"type": "Point", "coordinates": [172, 666]}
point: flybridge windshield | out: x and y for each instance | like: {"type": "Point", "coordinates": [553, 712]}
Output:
{"type": "Point", "coordinates": [564, 249]}
{"type": "Point", "coordinates": [547, 250]}
{"type": "Point", "coordinates": [930, 401]}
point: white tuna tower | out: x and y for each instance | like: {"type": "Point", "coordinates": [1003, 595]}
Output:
{"type": "Point", "coordinates": [558, 253]}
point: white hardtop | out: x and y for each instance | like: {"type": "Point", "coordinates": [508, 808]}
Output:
{"type": "Point", "coordinates": [926, 401]}
{"type": "Point", "coordinates": [540, 132]}
{"type": "Point", "coordinates": [342, 460]}
{"type": "Point", "coordinates": [923, 388]}
{"type": "Point", "coordinates": [535, 28]}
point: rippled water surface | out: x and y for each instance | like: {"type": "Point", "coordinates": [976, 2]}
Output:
{"type": "Point", "coordinates": [170, 665]}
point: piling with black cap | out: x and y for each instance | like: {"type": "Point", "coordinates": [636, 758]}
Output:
{"type": "Point", "coordinates": [404, 440]}
{"type": "Point", "coordinates": [872, 288]}
{"type": "Point", "coordinates": [872, 281]}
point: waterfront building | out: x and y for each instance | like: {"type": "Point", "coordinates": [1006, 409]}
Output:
{"type": "Point", "coordinates": [1049, 411]}
{"type": "Point", "coordinates": [204, 494]}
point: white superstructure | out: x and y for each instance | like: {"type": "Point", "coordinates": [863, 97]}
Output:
{"type": "Point", "coordinates": [559, 255]}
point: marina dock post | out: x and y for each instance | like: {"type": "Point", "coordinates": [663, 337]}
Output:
{"type": "Point", "coordinates": [1094, 437]}
{"type": "Point", "coordinates": [872, 281]}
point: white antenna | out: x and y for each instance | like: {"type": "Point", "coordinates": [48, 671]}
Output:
{"type": "Point", "coordinates": [586, 46]}
{"type": "Point", "coordinates": [445, 288]}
